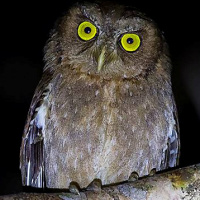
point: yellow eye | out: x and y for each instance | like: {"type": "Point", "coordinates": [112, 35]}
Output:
{"type": "Point", "coordinates": [130, 42]}
{"type": "Point", "coordinates": [87, 31]}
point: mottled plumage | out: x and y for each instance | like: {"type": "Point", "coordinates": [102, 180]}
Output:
{"type": "Point", "coordinates": [104, 123]}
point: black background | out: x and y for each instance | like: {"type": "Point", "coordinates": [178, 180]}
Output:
{"type": "Point", "coordinates": [24, 29]}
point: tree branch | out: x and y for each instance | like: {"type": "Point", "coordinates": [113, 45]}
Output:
{"type": "Point", "coordinates": [183, 183]}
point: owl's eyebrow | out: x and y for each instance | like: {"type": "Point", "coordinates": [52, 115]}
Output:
{"type": "Point", "coordinates": [91, 19]}
{"type": "Point", "coordinates": [130, 27]}
{"type": "Point", "coordinates": [135, 17]}
{"type": "Point", "coordinates": [85, 14]}
{"type": "Point", "coordinates": [131, 13]}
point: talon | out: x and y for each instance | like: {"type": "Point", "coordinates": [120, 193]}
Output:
{"type": "Point", "coordinates": [133, 177]}
{"type": "Point", "coordinates": [152, 172]}
{"type": "Point", "coordinates": [74, 188]}
{"type": "Point", "coordinates": [95, 185]}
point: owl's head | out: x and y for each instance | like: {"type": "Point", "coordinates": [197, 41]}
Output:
{"type": "Point", "coordinates": [106, 40]}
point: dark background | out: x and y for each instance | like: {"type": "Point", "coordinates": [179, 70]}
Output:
{"type": "Point", "coordinates": [24, 29]}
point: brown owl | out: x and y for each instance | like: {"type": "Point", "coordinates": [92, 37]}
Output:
{"type": "Point", "coordinates": [104, 107]}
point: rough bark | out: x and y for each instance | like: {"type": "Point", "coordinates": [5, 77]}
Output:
{"type": "Point", "coordinates": [183, 184]}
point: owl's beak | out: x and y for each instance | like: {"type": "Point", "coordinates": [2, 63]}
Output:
{"type": "Point", "coordinates": [101, 59]}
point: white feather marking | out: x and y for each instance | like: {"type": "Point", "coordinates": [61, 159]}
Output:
{"type": "Point", "coordinates": [31, 123]}
{"type": "Point", "coordinates": [39, 179]}
{"type": "Point", "coordinates": [42, 110]}
{"type": "Point", "coordinates": [65, 115]}
{"type": "Point", "coordinates": [120, 117]}
{"type": "Point", "coordinates": [127, 86]}
{"type": "Point", "coordinates": [133, 129]}
{"type": "Point", "coordinates": [89, 148]}
{"type": "Point", "coordinates": [55, 167]}
{"type": "Point", "coordinates": [96, 92]}
{"type": "Point", "coordinates": [172, 139]}
{"type": "Point", "coordinates": [40, 118]}
{"type": "Point", "coordinates": [76, 109]}
{"type": "Point", "coordinates": [172, 152]}
{"type": "Point", "coordinates": [28, 173]}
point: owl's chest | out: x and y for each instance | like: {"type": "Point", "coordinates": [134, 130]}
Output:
{"type": "Point", "coordinates": [86, 103]}
{"type": "Point", "coordinates": [113, 107]}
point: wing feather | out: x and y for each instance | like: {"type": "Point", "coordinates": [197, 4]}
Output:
{"type": "Point", "coordinates": [31, 152]}
{"type": "Point", "coordinates": [173, 152]}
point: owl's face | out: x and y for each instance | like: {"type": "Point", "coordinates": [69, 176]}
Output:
{"type": "Point", "coordinates": [108, 41]}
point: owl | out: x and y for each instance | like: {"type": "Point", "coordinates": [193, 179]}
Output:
{"type": "Point", "coordinates": [104, 107]}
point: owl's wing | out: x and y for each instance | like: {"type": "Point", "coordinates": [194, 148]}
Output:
{"type": "Point", "coordinates": [31, 152]}
{"type": "Point", "coordinates": [173, 152]}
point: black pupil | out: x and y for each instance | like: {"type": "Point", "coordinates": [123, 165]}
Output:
{"type": "Point", "coordinates": [87, 30]}
{"type": "Point", "coordinates": [130, 40]}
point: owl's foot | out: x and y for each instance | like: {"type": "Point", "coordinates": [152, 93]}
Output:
{"type": "Point", "coordinates": [152, 172]}
{"type": "Point", "coordinates": [95, 185]}
{"type": "Point", "coordinates": [133, 177]}
{"type": "Point", "coordinates": [74, 188]}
